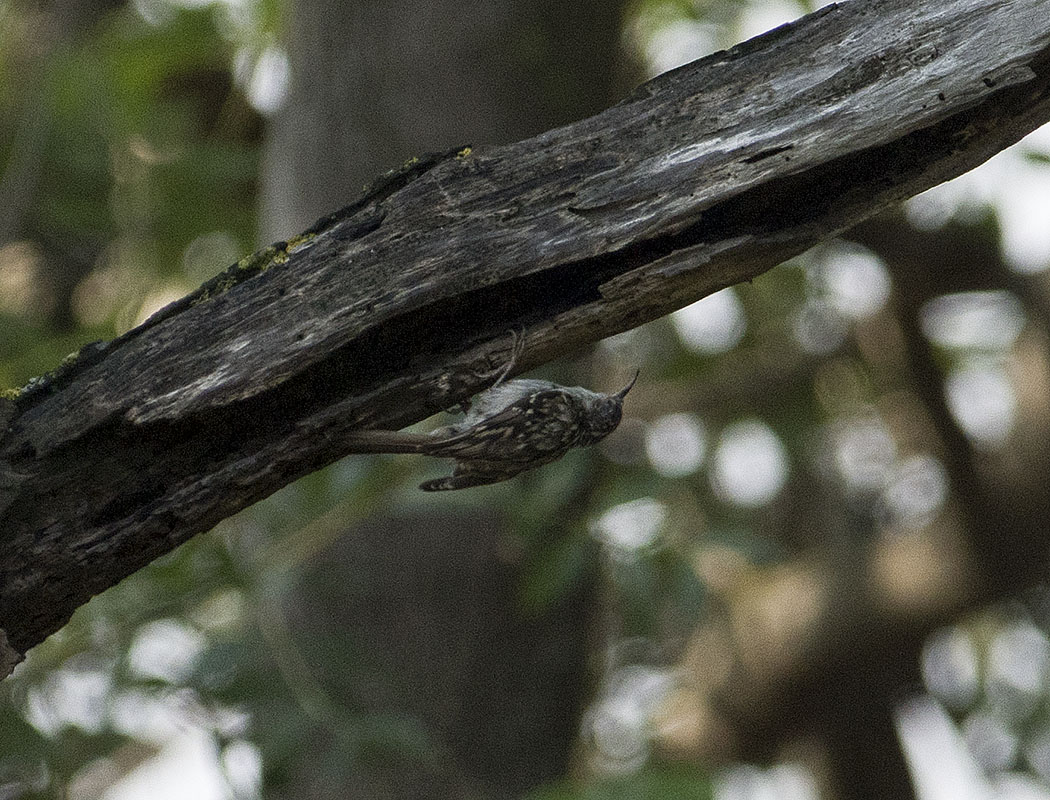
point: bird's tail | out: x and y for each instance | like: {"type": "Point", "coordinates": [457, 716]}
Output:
{"type": "Point", "coordinates": [389, 442]}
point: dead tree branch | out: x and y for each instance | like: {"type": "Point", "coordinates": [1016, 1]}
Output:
{"type": "Point", "coordinates": [395, 306]}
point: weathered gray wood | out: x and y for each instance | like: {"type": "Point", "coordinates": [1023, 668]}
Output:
{"type": "Point", "coordinates": [397, 305]}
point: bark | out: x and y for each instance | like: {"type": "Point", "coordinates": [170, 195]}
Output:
{"type": "Point", "coordinates": [399, 304]}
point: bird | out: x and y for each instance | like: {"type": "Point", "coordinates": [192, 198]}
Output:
{"type": "Point", "coordinates": [513, 426]}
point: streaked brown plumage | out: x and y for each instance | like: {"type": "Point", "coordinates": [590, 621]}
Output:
{"type": "Point", "coordinates": [511, 427]}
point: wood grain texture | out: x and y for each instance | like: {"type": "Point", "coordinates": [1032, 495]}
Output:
{"type": "Point", "coordinates": [399, 304]}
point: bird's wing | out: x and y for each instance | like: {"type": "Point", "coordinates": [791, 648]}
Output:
{"type": "Point", "coordinates": [527, 429]}
{"type": "Point", "coordinates": [530, 431]}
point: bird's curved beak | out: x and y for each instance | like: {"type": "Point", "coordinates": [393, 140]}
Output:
{"type": "Point", "coordinates": [623, 392]}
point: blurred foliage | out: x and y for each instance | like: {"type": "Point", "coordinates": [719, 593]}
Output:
{"type": "Point", "coordinates": [656, 783]}
{"type": "Point", "coordinates": [131, 153]}
{"type": "Point", "coordinates": [123, 144]}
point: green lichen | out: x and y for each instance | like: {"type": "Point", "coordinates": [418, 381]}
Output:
{"type": "Point", "coordinates": [262, 260]}
{"type": "Point", "coordinates": [466, 151]}
{"type": "Point", "coordinates": [299, 241]}
{"type": "Point", "coordinates": [249, 266]}
{"type": "Point", "coordinates": [10, 394]}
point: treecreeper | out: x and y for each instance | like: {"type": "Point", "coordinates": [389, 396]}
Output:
{"type": "Point", "coordinates": [511, 427]}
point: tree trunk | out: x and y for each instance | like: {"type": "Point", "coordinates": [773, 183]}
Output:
{"type": "Point", "coordinates": [421, 617]}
